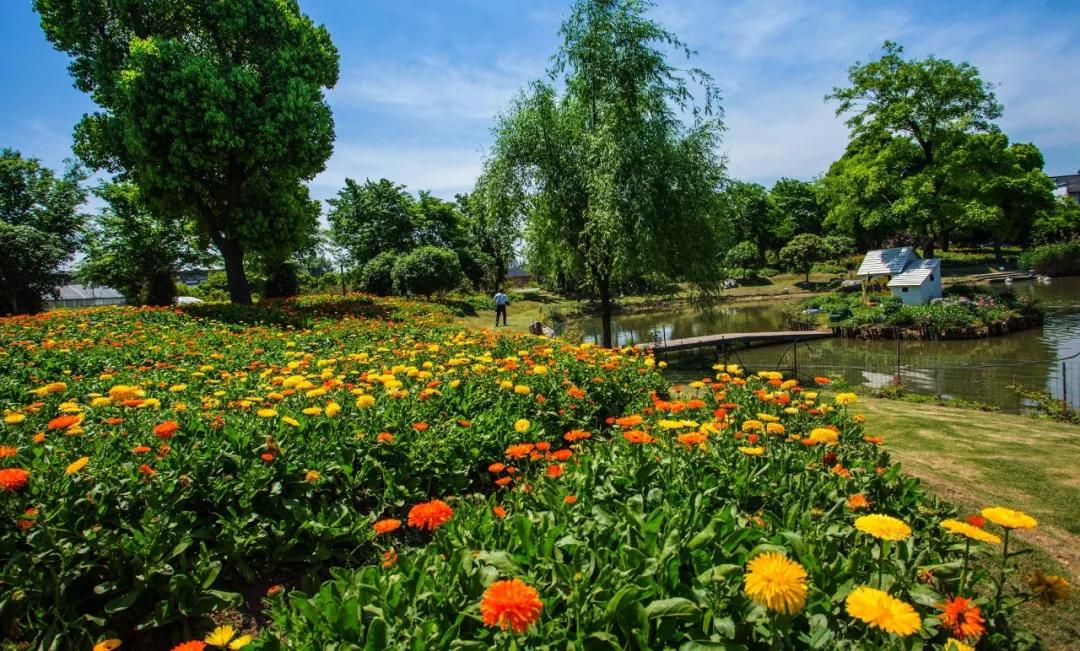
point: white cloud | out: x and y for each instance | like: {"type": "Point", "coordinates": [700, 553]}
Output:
{"type": "Point", "coordinates": [442, 170]}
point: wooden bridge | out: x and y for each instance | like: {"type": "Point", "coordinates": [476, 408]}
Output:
{"type": "Point", "coordinates": [735, 340]}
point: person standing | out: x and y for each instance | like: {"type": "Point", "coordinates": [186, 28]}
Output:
{"type": "Point", "coordinates": [501, 301]}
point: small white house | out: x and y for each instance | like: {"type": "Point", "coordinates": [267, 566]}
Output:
{"type": "Point", "coordinates": [902, 273]}
{"type": "Point", "coordinates": [918, 283]}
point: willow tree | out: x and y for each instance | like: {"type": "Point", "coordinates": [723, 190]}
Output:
{"type": "Point", "coordinates": [214, 109]}
{"type": "Point", "coordinates": [620, 161]}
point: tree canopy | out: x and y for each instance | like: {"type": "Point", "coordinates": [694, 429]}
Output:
{"type": "Point", "coordinates": [618, 185]}
{"type": "Point", "coordinates": [40, 229]}
{"type": "Point", "coordinates": [215, 110]}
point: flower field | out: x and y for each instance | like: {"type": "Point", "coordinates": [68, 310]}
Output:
{"type": "Point", "coordinates": [364, 474]}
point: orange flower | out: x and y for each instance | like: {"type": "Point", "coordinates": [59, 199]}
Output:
{"type": "Point", "coordinates": [822, 380]}
{"type": "Point", "coordinates": [962, 617]}
{"type": "Point", "coordinates": [629, 421]}
{"type": "Point", "coordinates": [637, 436]}
{"type": "Point", "coordinates": [39, 437]}
{"type": "Point", "coordinates": [267, 457]}
{"type": "Point", "coordinates": [690, 439]}
{"type": "Point", "coordinates": [876, 440]}
{"type": "Point", "coordinates": [147, 470]}
{"type": "Point", "coordinates": [193, 645]}
{"type": "Point", "coordinates": [976, 521]}
{"type": "Point", "coordinates": [420, 427]}
{"type": "Point", "coordinates": [519, 450]}
{"type": "Point", "coordinates": [570, 499]}
{"type": "Point", "coordinates": [13, 479]}
{"type": "Point", "coordinates": [576, 435]}
{"type": "Point", "coordinates": [274, 590]}
{"type": "Point", "coordinates": [166, 430]}
{"type": "Point", "coordinates": [561, 455]}
{"type": "Point", "coordinates": [27, 521]}
{"type": "Point", "coordinates": [7, 451]}
{"type": "Point", "coordinates": [554, 471]}
{"type": "Point", "coordinates": [384, 437]}
{"type": "Point", "coordinates": [511, 605]}
{"type": "Point", "coordinates": [499, 511]}
{"type": "Point", "coordinates": [504, 481]}
{"type": "Point", "coordinates": [496, 467]}
{"type": "Point", "coordinates": [140, 449]}
{"type": "Point", "coordinates": [386, 526]}
{"type": "Point", "coordinates": [389, 558]}
{"type": "Point", "coordinates": [430, 515]}
{"type": "Point", "coordinates": [63, 422]}
{"type": "Point", "coordinates": [543, 446]}
{"type": "Point", "coordinates": [857, 501]}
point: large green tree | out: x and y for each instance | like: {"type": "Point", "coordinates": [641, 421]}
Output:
{"type": "Point", "coordinates": [372, 218]}
{"type": "Point", "coordinates": [40, 229]}
{"type": "Point", "coordinates": [745, 215]}
{"type": "Point", "coordinates": [494, 212]}
{"type": "Point", "coordinates": [909, 120]}
{"type": "Point", "coordinates": [619, 186]}
{"type": "Point", "coordinates": [214, 109]}
{"type": "Point", "coordinates": [133, 250]}
{"type": "Point", "coordinates": [797, 207]}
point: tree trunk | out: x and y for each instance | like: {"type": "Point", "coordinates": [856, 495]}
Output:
{"type": "Point", "coordinates": [604, 286]}
{"type": "Point", "coordinates": [999, 258]}
{"type": "Point", "coordinates": [946, 240]}
{"type": "Point", "coordinates": [239, 289]}
{"type": "Point", "coordinates": [928, 247]}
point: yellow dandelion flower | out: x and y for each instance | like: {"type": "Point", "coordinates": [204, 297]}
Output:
{"type": "Point", "coordinates": [1009, 518]}
{"type": "Point", "coordinates": [77, 465]}
{"type": "Point", "coordinates": [755, 451]}
{"type": "Point", "coordinates": [332, 409]}
{"type": "Point", "coordinates": [776, 582]}
{"type": "Point", "coordinates": [14, 419]}
{"type": "Point", "coordinates": [881, 610]}
{"type": "Point", "coordinates": [365, 401]}
{"type": "Point", "coordinates": [266, 413]}
{"type": "Point", "coordinates": [289, 420]}
{"type": "Point", "coordinates": [522, 425]}
{"type": "Point", "coordinates": [970, 531]}
{"type": "Point", "coordinates": [881, 526]}
{"type": "Point", "coordinates": [846, 399]}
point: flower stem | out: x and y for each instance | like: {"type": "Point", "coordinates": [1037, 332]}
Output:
{"type": "Point", "coordinates": [963, 572]}
{"type": "Point", "coordinates": [1001, 581]}
{"type": "Point", "coordinates": [881, 563]}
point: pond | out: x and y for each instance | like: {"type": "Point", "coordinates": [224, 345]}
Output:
{"type": "Point", "coordinates": [982, 370]}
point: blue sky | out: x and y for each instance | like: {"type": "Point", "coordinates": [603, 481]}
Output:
{"type": "Point", "coordinates": [421, 80]}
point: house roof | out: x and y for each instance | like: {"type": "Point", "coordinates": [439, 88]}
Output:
{"type": "Point", "coordinates": [885, 261]}
{"type": "Point", "coordinates": [916, 273]}
{"type": "Point", "coordinates": [1071, 182]}
{"type": "Point", "coordinates": [517, 271]}
{"type": "Point", "coordinates": [85, 292]}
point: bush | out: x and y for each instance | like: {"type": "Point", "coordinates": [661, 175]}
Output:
{"type": "Point", "coordinates": [376, 276]}
{"type": "Point", "coordinates": [426, 270]}
{"type": "Point", "coordinates": [743, 255]}
{"type": "Point", "coordinates": [1061, 259]}
{"type": "Point", "coordinates": [281, 281]}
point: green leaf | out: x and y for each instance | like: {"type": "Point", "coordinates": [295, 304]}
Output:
{"type": "Point", "coordinates": [673, 607]}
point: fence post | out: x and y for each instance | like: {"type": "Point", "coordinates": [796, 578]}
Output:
{"type": "Point", "coordinates": [899, 381]}
{"type": "Point", "coordinates": [1064, 386]}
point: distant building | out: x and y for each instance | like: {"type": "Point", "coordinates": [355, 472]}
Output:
{"type": "Point", "coordinates": [192, 277]}
{"type": "Point", "coordinates": [902, 273]}
{"type": "Point", "coordinates": [84, 296]}
{"type": "Point", "coordinates": [1068, 185]}
{"type": "Point", "coordinates": [517, 275]}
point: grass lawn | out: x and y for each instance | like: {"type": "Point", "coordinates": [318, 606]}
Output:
{"type": "Point", "coordinates": [976, 459]}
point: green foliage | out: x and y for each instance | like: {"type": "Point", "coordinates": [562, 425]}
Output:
{"type": "Point", "coordinates": [743, 256]}
{"type": "Point", "coordinates": [838, 247]}
{"type": "Point", "coordinates": [373, 218]}
{"type": "Point", "coordinates": [426, 270]}
{"type": "Point", "coordinates": [494, 212]}
{"type": "Point", "coordinates": [746, 214]}
{"type": "Point", "coordinates": [1059, 223]}
{"type": "Point", "coordinates": [376, 276]}
{"type": "Point", "coordinates": [803, 251]}
{"type": "Point", "coordinates": [215, 110]}
{"type": "Point", "coordinates": [797, 207]}
{"type": "Point", "coordinates": [925, 156]}
{"type": "Point", "coordinates": [133, 250]}
{"type": "Point", "coordinates": [1060, 259]}
{"type": "Point", "coordinates": [40, 228]}
{"type": "Point", "coordinates": [282, 280]}
{"type": "Point", "coordinates": [619, 188]}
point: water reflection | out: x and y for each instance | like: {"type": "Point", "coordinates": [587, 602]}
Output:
{"type": "Point", "coordinates": [980, 369]}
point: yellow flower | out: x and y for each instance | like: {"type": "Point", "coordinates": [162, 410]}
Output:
{"type": "Point", "coordinates": [776, 582]}
{"type": "Point", "coordinates": [755, 451]}
{"type": "Point", "coordinates": [312, 411]}
{"type": "Point", "coordinates": [774, 428]}
{"type": "Point", "coordinates": [365, 401]}
{"type": "Point", "coordinates": [540, 369]}
{"type": "Point", "coordinates": [289, 420]}
{"type": "Point", "coordinates": [332, 409]}
{"type": "Point", "coordinates": [972, 532]}
{"type": "Point", "coordinates": [752, 426]}
{"type": "Point", "coordinates": [50, 388]}
{"type": "Point", "coordinates": [177, 388]}
{"type": "Point", "coordinates": [1049, 588]}
{"type": "Point", "coordinates": [522, 390]}
{"type": "Point", "coordinates": [953, 644]}
{"type": "Point", "coordinates": [883, 526]}
{"type": "Point", "coordinates": [881, 610]}
{"type": "Point", "coordinates": [846, 398]}
{"type": "Point", "coordinates": [312, 476]}
{"type": "Point", "coordinates": [1008, 518]}
{"type": "Point", "coordinates": [824, 435]}
{"type": "Point", "coordinates": [521, 425]}
{"type": "Point", "coordinates": [266, 413]}
{"type": "Point", "coordinates": [14, 419]}
{"type": "Point", "coordinates": [225, 636]}
{"type": "Point", "coordinates": [107, 645]}
{"type": "Point", "coordinates": [77, 465]}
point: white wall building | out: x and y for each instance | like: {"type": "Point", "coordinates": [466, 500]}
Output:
{"type": "Point", "coordinates": [918, 283]}
{"type": "Point", "coordinates": [901, 272]}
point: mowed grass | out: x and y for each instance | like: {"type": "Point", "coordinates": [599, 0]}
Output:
{"type": "Point", "coordinates": [976, 459]}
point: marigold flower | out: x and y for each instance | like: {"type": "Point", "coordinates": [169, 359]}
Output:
{"type": "Point", "coordinates": [824, 435]}
{"type": "Point", "coordinates": [881, 610]}
{"type": "Point", "coordinates": [430, 515]}
{"type": "Point", "coordinates": [274, 590]}
{"type": "Point", "coordinates": [107, 645]}
{"type": "Point", "coordinates": [386, 526]}
{"type": "Point", "coordinates": [504, 481]}
{"type": "Point", "coordinates": [972, 532]}
{"type": "Point", "coordinates": [976, 520]}
{"type": "Point", "coordinates": [77, 465]}
{"type": "Point", "coordinates": [1009, 518]}
{"type": "Point", "coordinates": [223, 636]}
{"type": "Point", "coordinates": [952, 644]}
{"type": "Point", "coordinates": [499, 511]}
{"type": "Point", "coordinates": [166, 430]}
{"type": "Point", "coordinates": [496, 467]}
{"type": "Point", "coordinates": [28, 519]}
{"type": "Point", "coordinates": [690, 439]}
{"type": "Point", "coordinates": [7, 451]}
{"type": "Point", "coordinates": [857, 501]}
{"type": "Point", "coordinates": [14, 419]}
{"type": "Point", "coordinates": [846, 398]}
{"type": "Point", "coordinates": [420, 427]}
{"type": "Point", "coordinates": [755, 451]}
{"type": "Point", "coordinates": [1049, 588]}
{"type": "Point", "coordinates": [511, 604]}
{"type": "Point", "coordinates": [822, 380]}
{"type": "Point", "coordinates": [561, 455]}
{"type": "Point", "coordinates": [312, 476]}
{"type": "Point", "coordinates": [570, 499]}
{"type": "Point", "coordinates": [267, 457]}
{"type": "Point", "coordinates": [364, 401]}
{"type": "Point", "coordinates": [13, 479]}
{"type": "Point", "coordinates": [554, 471]}
{"type": "Point", "coordinates": [191, 645]}
{"type": "Point", "coordinates": [65, 421]}
{"type": "Point", "coordinates": [776, 582]}
{"type": "Point", "coordinates": [883, 526]}
{"type": "Point", "coordinates": [147, 470]}
{"type": "Point", "coordinates": [962, 617]}
{"type": "Point", "coordinates": [638, 436]}
{"type": "Point", "coordinates": [519, 450]}
{"type": "Point", "coordinates": [632, 420]}
{"type": "Point", "coordinates": [522, 425]}
{"type": "Point", "coordinates": [389, 558]}
{"type": "Point", "coordinates": [39, 437]}
{"type": "Point", "coordinates": [266, 413]}
{"type": "Point", "coordinates": [576, 435]}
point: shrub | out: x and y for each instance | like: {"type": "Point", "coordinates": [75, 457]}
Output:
{"type": "Point", "coordinates": [281, 281]}
{"type": "Point", "coordinates": [377, 275]}
{"type": "Point", "coordinates": [426, 270]}
{"type": "Point", "coordinates": [802, 252]}
{"type": "Point", "coordinates": [743, 256]}
{"type": "Point", "coordinates": [1060, 259]}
